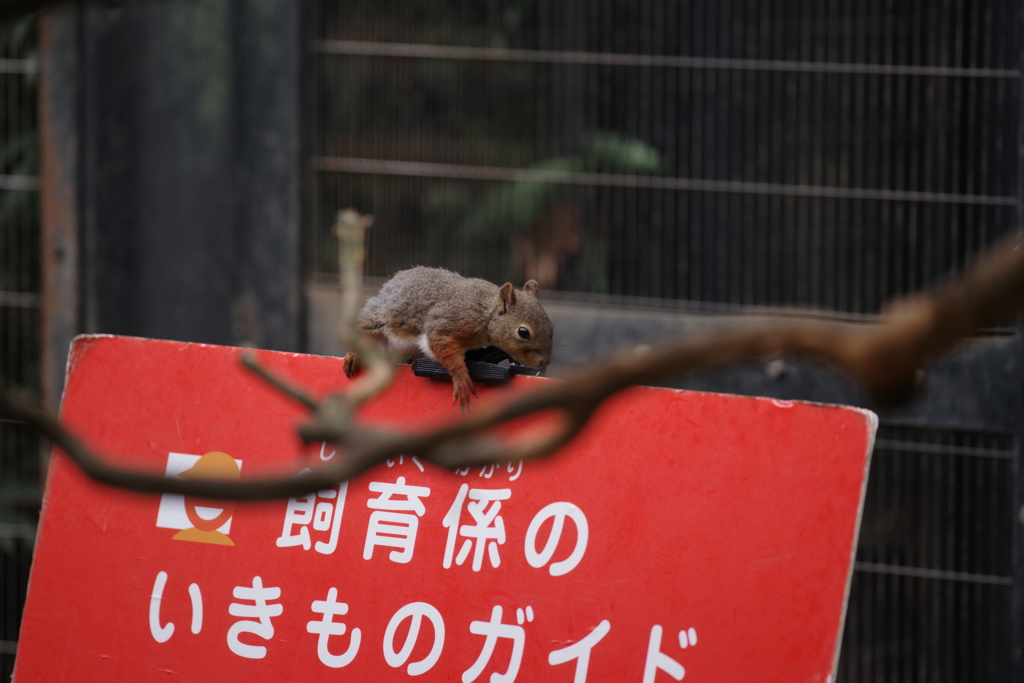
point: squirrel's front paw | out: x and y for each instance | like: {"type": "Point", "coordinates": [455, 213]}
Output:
{"type": "Point", "coordinates": [461, 394]}
{"type": "Point", "coordinates": [352, 364]}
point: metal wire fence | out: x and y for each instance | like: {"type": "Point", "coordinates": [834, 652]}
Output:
{"type": "Point", "coordinates": [816, 154]}
{"type": "Point", "coordinates": [933, 592]}
{"type": "Point", "coordinates": [821, 154]}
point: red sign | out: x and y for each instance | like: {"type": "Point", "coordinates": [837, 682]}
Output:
{"type": "Point", "coordinates": [683, 533]}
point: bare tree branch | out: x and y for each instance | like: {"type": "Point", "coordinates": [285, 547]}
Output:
{"type": "Point", "coordinates": [884, 357]}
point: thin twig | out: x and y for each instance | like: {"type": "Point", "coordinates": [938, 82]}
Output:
{"type": "Point", "coordinates": [248, 360]}
{"type": "Point", "coordinates": [350, 230]}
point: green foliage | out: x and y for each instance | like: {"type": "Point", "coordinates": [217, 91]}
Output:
{"type": "Point", "coordinates": [514, 205]}
{"type": "Point", "coordinates": [626, 154]}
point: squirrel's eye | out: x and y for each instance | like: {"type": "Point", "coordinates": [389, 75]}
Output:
{"type": "Point", "coordinates": [524, 333]}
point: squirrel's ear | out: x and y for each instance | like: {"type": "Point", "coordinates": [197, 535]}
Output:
{"type": "Point", "coordinates": [508, 295]}
{"type": "Point", "coordinates": [532, 288]}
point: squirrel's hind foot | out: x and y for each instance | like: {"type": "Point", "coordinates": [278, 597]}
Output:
{"type": "Point", "coordinates": [352, 364]}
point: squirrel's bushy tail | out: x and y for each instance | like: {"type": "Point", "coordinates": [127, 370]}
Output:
{"type": "Point", "coordinates": [369, 318]}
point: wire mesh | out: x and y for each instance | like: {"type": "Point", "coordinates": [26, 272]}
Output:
{"type": "Point", "coordinates": [900, 629]}
{"type": "Point", "coordinates": [815, 154]}
{"type": "Point", "coordinates": [19, 318]}
{"type": "Point", "coordinates": [825, 154]}
{"type": "Point", "coordinates": [932, 591]}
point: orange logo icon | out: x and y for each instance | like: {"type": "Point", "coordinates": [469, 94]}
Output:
{"type": "Point", "coordinates": [200, 520]}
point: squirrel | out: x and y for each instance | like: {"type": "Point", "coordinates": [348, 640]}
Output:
{"type": "Point", "coordinates": [440, 314]}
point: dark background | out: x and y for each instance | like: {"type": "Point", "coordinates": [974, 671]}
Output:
{"type": "Point", "coordinates": [716, 159]}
